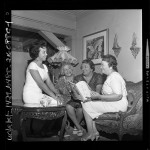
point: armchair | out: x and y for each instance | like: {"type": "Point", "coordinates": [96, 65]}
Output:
{"type": "Point", "coordinates": [129, 122]}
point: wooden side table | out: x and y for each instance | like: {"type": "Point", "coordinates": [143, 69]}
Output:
{"type": "Point", "coordinates": [42, 113]}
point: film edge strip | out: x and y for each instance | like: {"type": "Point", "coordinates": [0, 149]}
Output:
{"type": "Point", "coordinates": [8, 89]}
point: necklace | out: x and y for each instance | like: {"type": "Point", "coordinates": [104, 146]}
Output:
{"type": "Point", "coordinates": [70, 79]}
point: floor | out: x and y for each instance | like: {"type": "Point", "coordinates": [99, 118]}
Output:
{"type": "Point", "coordinates": [68, 136]}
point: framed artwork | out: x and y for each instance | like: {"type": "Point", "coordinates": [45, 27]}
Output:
{"type": "Point", "coordinates": [95, 45]}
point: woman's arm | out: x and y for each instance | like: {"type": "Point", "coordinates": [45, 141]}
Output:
{"type": "Point", "coordinates": [36, 76]}
{"type": "Point", "coordinates": [51, 85]}
{"type": "Point", "coordinates": [108, 98]}
{"type": "Point", "coordinates": [99, 88]}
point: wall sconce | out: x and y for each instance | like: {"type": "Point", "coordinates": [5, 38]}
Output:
{"type": "Point", "coordinates": [116, 48]}
{"type": "Point", "coordinates": [134, 49]}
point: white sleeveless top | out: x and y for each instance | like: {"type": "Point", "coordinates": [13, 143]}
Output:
{"type": "Point", "coordinates": [31, 91]}
{"type": "Point", "coordinates": [116, 81]}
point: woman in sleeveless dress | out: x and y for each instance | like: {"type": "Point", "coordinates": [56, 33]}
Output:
{"type": "Point", "coordinates": [112, 99]}
{"type": "Point", "coordinates": [38, 80]}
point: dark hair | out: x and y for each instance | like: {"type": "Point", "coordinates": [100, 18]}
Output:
{"type": "Point", "coordinates": [90, 62]}
{"type": "Point", "coordinates": [112, 62]}
{"type": "Point", "coordinates": [34, 49]}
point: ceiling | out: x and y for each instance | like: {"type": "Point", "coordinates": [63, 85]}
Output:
{"type": "Point", "coordinates": [76, 13]}
{"type": "Point", "coordinates": [27, 36]}
{"type": "Point", "coordinates": [68, 13]}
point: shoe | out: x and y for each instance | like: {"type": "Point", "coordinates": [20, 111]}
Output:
{"type": "Point", "coordinates": [88, 138]}
{"type": "Point", "coordinates": [80, 133]}
{"type": "Point", "coordinates": [97, 136]}
{"type": "Point", "coordinates": [75, 130]}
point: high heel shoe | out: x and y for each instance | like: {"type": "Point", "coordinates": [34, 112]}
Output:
{"type": "Point", "coordinates": [97, 136]}
{"type": "Point", "coordinates": [88, 138]}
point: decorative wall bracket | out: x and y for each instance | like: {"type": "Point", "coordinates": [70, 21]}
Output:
{"type": "Point", "coordinates": [134, 49]}
{"type": "Point", "coordinates": [116, 48]}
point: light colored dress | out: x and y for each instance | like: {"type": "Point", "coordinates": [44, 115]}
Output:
{"type": "Point", "coordinates": [32, 94]}
{"type": "Point", "coordinates": [113, 84]}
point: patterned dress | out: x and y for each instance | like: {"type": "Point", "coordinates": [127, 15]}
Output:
{"type": "Point", "coordinates": [64, 89]}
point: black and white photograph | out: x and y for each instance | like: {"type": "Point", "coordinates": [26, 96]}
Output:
{"type": "Point", "coordinates": [49, 51]}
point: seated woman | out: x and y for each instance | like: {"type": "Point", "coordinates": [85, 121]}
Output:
{"type": "Point", "coordinates": [70, 97]}
{"type": "Point", "coordinates": [38, 80]}
{"type": "Point", "coordinates": [113, 98]}
{"type": "Point", "coordinates": [93, 79]}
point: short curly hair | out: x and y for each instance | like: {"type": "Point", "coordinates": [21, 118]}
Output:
{"type": "Point", "coordinates": [62, 68]}
{"type": "Point", "coordinates": [34, 49]}
{"type": "Point", "coordinates": [112, 61]}
{"type": "Point", "coordinates": [90, 62]}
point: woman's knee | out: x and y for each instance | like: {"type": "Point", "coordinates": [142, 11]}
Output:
{"type": "Point", "coordinates": [79, 110]}
{"type": "Point", "coordinates": [69, 107]}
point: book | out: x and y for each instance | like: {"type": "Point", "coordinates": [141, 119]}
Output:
{"type": "Point", "coordinates": [83, 89]}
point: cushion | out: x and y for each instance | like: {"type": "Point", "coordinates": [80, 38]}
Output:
{"type": "Point", "coordinates": [109, 116]}
{"type": "Point", "coordinates": [133, 122]}
{"type": "Point", "coordinates": [108, 123]}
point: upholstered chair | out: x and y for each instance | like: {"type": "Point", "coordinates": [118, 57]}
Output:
{"type": "Point", "coordinates": [129, 122]}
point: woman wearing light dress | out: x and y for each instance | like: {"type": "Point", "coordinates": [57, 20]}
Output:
{"type": "Point", "coordinates": [38, 80]}
{"type": "Point", "coordinates": [113, 98]}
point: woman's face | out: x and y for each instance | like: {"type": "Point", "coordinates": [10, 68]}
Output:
{"type": "Point", "coordinates": [86, 69]}
{"type": "Point", "coordinates": [105, 67]}
{"type": "Point", "coordinates": [68, 70]}
{"type": "Point", "coordinates": [42, 53]}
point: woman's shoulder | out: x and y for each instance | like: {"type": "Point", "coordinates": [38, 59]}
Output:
{"type": "Point", "coordinates": [78, 77]}
{"type": "Point", "coordinates": [116, 75]}
{"type": "Point", "coordinates": [32, 65]}
{"type": "Point", "coordinates": [45, 67]}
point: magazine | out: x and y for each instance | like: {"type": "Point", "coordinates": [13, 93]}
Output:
{"type": "Point", "coordinates": [83, 89]}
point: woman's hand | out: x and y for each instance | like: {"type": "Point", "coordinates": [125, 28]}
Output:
{"type": "Point", "coordinates": [95, 95]}
{"type": "Point", "coordinates": [87, 100]}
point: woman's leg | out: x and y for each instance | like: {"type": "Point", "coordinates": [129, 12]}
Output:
{"type": "Point", "coordinates": [72, 114]}
{"type": "Point", "coordinates": [94, 128]}
{"type": "Point", "coordinates": [79, 114]}
{"type": "Point", "coordinates": [89, 123]}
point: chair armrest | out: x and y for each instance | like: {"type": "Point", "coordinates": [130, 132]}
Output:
{"type": "Point", "coordinates": [132, 109]}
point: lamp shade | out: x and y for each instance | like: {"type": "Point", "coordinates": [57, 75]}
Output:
{"type": "Point", "coordinates": [63, 56]}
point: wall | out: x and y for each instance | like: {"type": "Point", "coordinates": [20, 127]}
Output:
{"type": "Point", "coordinates": [123, 23]}
{"type": "Point", "coordinates": [39, 20]}
{"type": "Point", "coordinates": [19, 63]}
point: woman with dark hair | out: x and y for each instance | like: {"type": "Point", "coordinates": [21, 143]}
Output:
{"type": "Point", "coordinates": [38, 80]}
{"type": "Point", "coordinates": [93, 79]}
{"type": "Point", "coordinates": [113, 98]}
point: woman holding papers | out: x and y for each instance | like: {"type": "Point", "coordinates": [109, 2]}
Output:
{"type": "Point", "coordinates": [112, 99]}
{"type": "Point", "coordinates": [93, 79]}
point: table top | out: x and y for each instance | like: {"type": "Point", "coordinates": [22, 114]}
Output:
{"type": "Point", "coordinates": [40, 109]}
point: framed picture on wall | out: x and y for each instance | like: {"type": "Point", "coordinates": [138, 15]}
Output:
{"type": "Point", "coordinates": [95, 45]}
